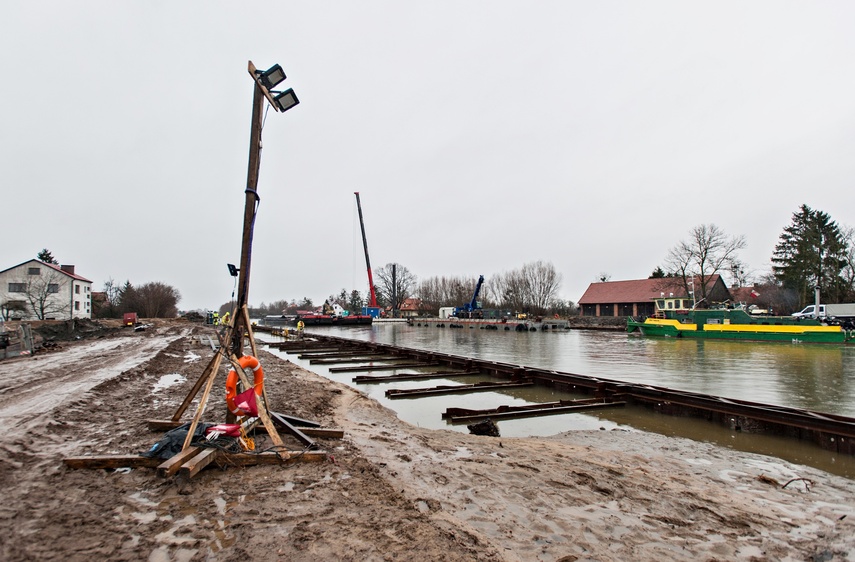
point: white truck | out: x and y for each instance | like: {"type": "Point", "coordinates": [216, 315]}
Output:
{"type": "Point", "coordinates": [843, 311]}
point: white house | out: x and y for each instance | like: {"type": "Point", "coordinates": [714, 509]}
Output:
{"type": "Point", "coordinates": [35, 290]}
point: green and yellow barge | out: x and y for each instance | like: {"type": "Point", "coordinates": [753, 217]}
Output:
{"type": "Point", "coordinates": [737, 324]}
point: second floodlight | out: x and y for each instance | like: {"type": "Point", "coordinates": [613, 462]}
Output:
{"type": "Point", "coordinates": [285, 100]}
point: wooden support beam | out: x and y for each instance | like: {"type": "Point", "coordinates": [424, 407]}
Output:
{"type": "Point", "coordinates": [301, 437]}
{"type": "Point", "coordinates": [389, 367]}
{"type": "Point", "coordinates": [199, 461]}
{"type": "Point", "coordinates": [171, 465]}
{"type": "Point", "coordinates": [111, 461]}
{"type": "Point", "coordinates": [369, 379]}
{"type": "Point", "coordinates": [200, 409]}
{"type": "Point", "coordinates": [362, 358]}
{"type": "Point", "coordinates": [459, 389]}
{"type": "Point", "coordinates": [230, 459]}
{"type": "Point", "coordinates": [499, 414]}
{"type": "Point", "coordinates": [203, 378]}
{"type": "Point", "coordinates": [312, 431]}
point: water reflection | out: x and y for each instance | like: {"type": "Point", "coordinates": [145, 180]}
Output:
{"type": "Point", "coordinates": [814, 377]}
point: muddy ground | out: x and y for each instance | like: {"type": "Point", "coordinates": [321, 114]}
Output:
{"type": "Point", "coordinates": [387, 491]}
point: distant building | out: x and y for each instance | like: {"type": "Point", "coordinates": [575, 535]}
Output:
{"type": "Point", "coordinates": [410, 307]}
{"type": "Point", "coordinates": [636, 297]}
{"type": "Point", "coordinates": [35, 290]}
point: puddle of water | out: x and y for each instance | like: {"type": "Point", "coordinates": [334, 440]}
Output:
{"type": "Point", "coordinates": [168, 380]}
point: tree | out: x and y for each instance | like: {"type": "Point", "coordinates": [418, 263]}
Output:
{"type": "Point", "coordinates": [355, 302]}
{"type": "Point", "coordinates": [531, 288]}
{"type": "Point", "coordinates": [39, 291]}
{"type": "Point", "coordinates": [110, 308]}
{"type": "Point", "coordinates": [811, 252]}
{"type": "Point", "coordinates": [156, 300]}
{"type": "Point", "coordinates": [10, 309]}
{"type": "Point", "coordinates": [395, 284]}
{"type": "Point", "coordinates": [707, 252]}
{"type": "Point", "coordinates": [46, 257]}
{"type": "Point", "coordinates": [658, 273]}
{"type": "Point", "coordinates": [436, 292]}
{"type": "Point", "coordinates": [542, 282]}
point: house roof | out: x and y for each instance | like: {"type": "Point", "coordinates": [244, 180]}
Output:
{"type": "Point", "coordinates": [52, 266]}
{"type": "Point", "coordinates": [637, 290]}
{"type": "Point", "coordinates": [411, 304]}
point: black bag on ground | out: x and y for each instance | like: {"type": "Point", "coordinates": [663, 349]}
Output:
{"type": "Point", "coordinates": [173, 440]}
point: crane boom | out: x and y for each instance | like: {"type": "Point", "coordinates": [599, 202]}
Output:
{"type": "Point", "coordinates": [373, 303]}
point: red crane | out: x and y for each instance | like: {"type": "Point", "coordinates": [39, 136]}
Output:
{"type": "Point", "coordinates": [374, 310]}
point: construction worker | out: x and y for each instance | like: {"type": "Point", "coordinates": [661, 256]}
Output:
{"type": "Point", "coordinates": [216, 318]}
{"type": "Point", "coordinates": [300, 327]}
{"type": "Point", "coordinates": [224, 321]}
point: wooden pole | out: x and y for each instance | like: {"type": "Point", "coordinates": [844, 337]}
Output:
{"type": "Point", "coordinates": [250, 207]}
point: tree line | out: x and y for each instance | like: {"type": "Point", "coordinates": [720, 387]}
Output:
{"type": "Point", "coordinates": [149, 300]}
{"type": "Point", "coordinates": [812, 251]}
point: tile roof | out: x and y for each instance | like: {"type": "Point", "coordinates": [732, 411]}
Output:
{"type": "Point", "coordinates": [638, 290]}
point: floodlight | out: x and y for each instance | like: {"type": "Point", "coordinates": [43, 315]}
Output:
{"type": "Point", "coordinates": [272, 76]}
{"type": "Point", "coordinates": [284, 101]}
{"type": "Point", "coordinates": [233, 271]}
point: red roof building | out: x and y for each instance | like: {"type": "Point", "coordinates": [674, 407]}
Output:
{"type": "Point", "coordinates": [636, 297]}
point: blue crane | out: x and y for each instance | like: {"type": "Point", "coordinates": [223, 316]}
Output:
{"type": "Point", "coordinates": [473, 304]}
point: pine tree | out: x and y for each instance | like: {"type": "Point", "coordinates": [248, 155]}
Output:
{"type": "Point", "coordinates": [46, 257]}
{"type": "Point", "coordinates": [811, 252]}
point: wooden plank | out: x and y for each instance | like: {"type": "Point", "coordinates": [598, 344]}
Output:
{"type": "Point", "coordinates": [362, 358]}
{"type": "Point", "coordinates": [272, 458]}
{"type": "Point", "coordinates": [111, 461]}
{"type": "Point", "coordinates": [301, 437]}
{"type": "Point", "coordinates": [339, 353]}
{"type": "Point", "coordinates": [192, 467]}
{"type": "Point", "coordinates": [202, 402]}
{"type": "Point", "coordinates": [394, 393]}
{"type": "Point", "coordinates": [534, 413]}
{"type": "Point", "coordinates": [381, 367]}
{"type": "Point", "coordinates": [171, 465]}
{"type": "Point", "coordinates": [370, 379]}
{"type": "Point", "coordinates": [323, 432]}
{"type": "Point", "coordinates": [138, 461]}
{"type": "Point", "coordinates": [298, 421]}
{"type": "Point", "coordinates": [203, 378]}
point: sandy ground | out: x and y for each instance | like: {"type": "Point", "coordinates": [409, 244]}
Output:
{"type": "Point", "coordinates": [388, 491]}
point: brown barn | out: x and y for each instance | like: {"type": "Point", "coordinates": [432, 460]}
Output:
{"type": "Point", "coordinates": [636, 297]}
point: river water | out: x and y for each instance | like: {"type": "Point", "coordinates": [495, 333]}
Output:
{"type": "Point", "coordinates": [812, 377]}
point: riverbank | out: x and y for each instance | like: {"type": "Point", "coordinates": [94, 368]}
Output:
{"type": "Point", "coordinates": [388, 489]}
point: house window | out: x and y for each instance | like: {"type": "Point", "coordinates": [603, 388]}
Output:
{"type": "Point", "coordinates": [34, 271]}
{"type": "Point", "coordinates": [17, 287]}
{"type": "Point", "coordinates": [53, 288]}
{"type": "Point", "coordinates": [77, 289]}
{"type": "Point", "coordinates": [76, 305]}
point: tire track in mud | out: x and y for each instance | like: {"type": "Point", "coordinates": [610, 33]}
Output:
{"type": "Point", "coordinates": [36, 386]}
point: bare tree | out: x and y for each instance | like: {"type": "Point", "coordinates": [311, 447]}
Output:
{"type": "Point", "coordinates": [436, 292]}
{"type": "Point", "coordinates": [10, 309]}
{"type": "Point", "coordinates": [531, 288]}
{"type": "Point", "coordinates": [156, 300]}
{"type": "Point", "coordinates": [395, 284]}
{"type": "Point", "coordinates": [41, 292]}
{"type": "Point", "coordinates": [542, 282]}
{"type": "Point", "coordinates": [707, 252]}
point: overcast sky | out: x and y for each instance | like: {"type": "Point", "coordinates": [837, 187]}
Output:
{"type": "Point", "coordinates": [480, 135]}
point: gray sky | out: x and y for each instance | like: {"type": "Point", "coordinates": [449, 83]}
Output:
{"type": "Point", "coordinates": [480, 135]}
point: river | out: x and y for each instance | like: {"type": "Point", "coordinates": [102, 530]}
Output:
{"type": "Point", "coordinates": [812, 377]}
